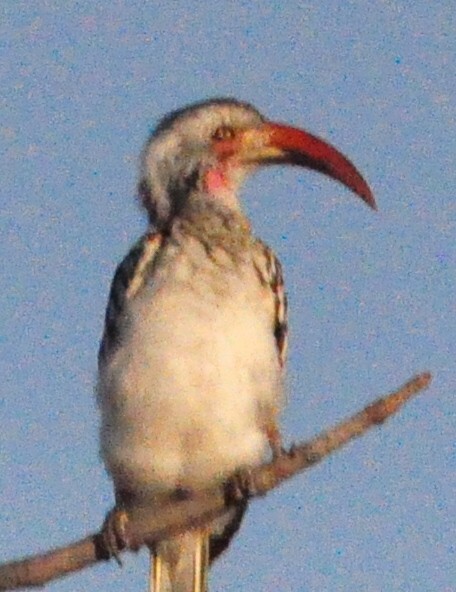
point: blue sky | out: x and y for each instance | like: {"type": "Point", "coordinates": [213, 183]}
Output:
{"type": "Point", "coordinates": [371, 294]}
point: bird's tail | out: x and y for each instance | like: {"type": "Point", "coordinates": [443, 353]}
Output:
{"type": "Point", "coordinates": [181, 564]}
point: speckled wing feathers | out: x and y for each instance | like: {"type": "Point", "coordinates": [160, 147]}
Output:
{"type": "Point", "coordinates": [128, 279]}
{"type": "Point", "coordinates": [270, 273]}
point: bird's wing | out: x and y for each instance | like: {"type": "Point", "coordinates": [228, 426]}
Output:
{"type": "Point", "coordinates": [129, 278]}
{"type": "Point", "coordinates": [270, 273]}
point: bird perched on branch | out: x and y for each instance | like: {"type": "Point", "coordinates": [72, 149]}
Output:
{"type": "Point", "coordinates": [191, 360]}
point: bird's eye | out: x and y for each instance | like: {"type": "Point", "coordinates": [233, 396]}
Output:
{"type": "Point", "coordinates": [224, 132]}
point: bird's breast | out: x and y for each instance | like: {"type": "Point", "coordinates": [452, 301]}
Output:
{"type": "Point", "coordinates": [184, 398]}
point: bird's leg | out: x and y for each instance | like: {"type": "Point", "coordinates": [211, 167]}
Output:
{"type": "Point", "coordinates": [274, 437]}
{"type": "Point", "coordinates": [241, 485]}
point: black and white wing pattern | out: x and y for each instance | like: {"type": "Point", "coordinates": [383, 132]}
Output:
{"type": "Point", "coordinates": [270, 274]}
{"type": "Point", "coordinates": [129, 278]}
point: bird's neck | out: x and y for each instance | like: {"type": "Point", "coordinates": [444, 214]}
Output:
{"type": "Point", "coordinates": [214, 223]}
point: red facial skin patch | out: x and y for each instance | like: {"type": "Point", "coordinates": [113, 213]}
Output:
{"type": "Point", "coordinates": [215, 181]}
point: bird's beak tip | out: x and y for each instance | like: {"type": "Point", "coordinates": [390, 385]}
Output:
{"type": "Point", "coordinates": [372, 203]}
{"type": "Point", "coordinates": [282, 143]}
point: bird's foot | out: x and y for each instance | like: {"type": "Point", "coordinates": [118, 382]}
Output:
{"type": "Point", "coordinates": [278, 452]}
{"type": "Point", "coordinates": [114, 534]}
{"type": "Point", "coordinates": [240, 487]}
{"type": "Point", "coordinates": [294, 449]}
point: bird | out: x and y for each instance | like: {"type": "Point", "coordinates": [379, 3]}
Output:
{"type": "Point", "coordinates": [191, 362]}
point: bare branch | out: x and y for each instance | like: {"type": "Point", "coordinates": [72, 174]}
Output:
{"type": "Point", "coordinates": [147, 527]}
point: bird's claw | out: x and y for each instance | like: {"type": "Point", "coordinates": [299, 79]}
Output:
{"type": "Point", "coordinates": [294, 448]}
{"type": "Point", "coordinates": [114, 533]}
{"type": "Point", "coordinates": [278, 452]}
{"type": "Point", "coordinates": [240, 487]}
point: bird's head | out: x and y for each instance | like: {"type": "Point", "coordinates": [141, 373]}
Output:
{"type": "Point", "coordinates": [204, 152]}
